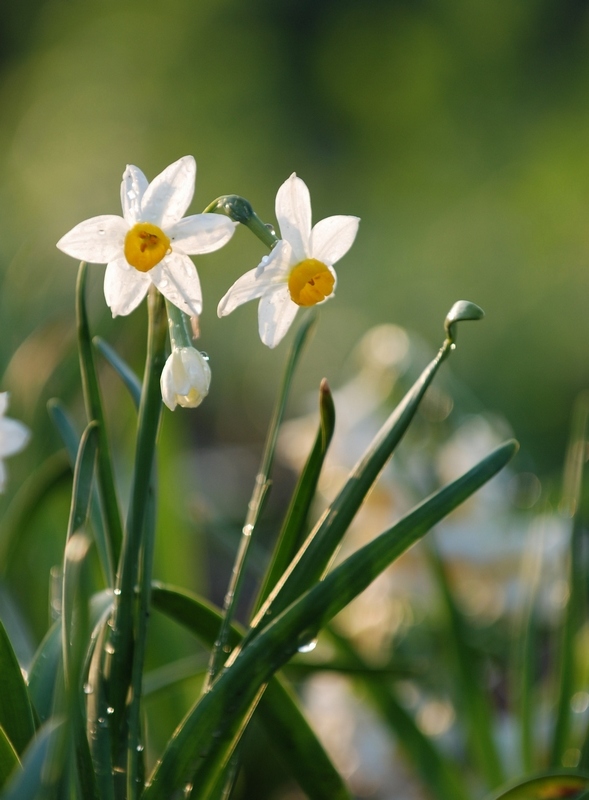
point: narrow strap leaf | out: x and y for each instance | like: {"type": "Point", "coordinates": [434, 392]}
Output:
{"type": "Point", "coordinates": [71, 440]}
{"type": "Point", "coordinates": [203, 743]}
{"type": "Point", "coordinates": [9, 760]}
{"type": "Point", "coordinates": [26, 502]}
{"type": "Point", "coordinates": [16, 713]}
{"type": "Point", "coordinates": [472, 695]}
{"type": "Point", "coordinates": [256, 502]}
{"type": "Point", "coordinates": [549, 786]}
{"type": "Point", "coordinates": [317, 552]}
{"type": "Point", "coordinates": [576, 607]}
{"type": "Point", "coordinates": [121, 367]}
{"type": "Point", "coordinates": [31, 782]}
{"type": "Point", "coordinates": [279, 711]}
{"type": "Point", "coordinates": [291, 535]}
{"type": "Point", "coordinates": [94, 411]}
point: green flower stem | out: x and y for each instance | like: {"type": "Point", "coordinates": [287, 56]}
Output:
{"type": "Point", "coordinates": [119, 666]}
{"type": "Point", "coordinates": [179, 326]}
{"type": "Point", "coordinates": [240, 210]}
{"type": "Point", "coordinates": [261, 487]}
{"type": "Point", "coordinates": [91, 389]}
{"type": "Point", "coordinates": [135, 764]}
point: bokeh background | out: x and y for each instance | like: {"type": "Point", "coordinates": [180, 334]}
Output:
{"type": "Point", "coordinates": [457, 131]}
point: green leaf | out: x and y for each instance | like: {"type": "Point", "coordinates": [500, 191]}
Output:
{"type": "Point", "coordinates": [9, 760]}
{"type": "Point", "coordinates": [472, 697]}
{"type": "Point", "coordinates": [551, 786]}
{"type": "Point", "coordinates": [121, 367]}
{"type": "Point", "coordinates": [258, 497]}
{"type": "Point", "coordinates": [47, 660]}
{"type": "Point", "coordinates": [94, 410]}
{"type": "Point", "coordinates": [576, 608]}
{"type": "Point", "coordinates": [71, 440]}
{"type": "Point", "coordinates": [27, 501]}
{"type": "Point", "coordinates": [291, 535]}
{"type": "Point", "coordinates": [203, 743]}
{"type": "Point", "coordinates": [16, 713]}
{"type": "Point", "coordinates": [317, 552]}
{"type": "Point", "coordinates": [36, 777]}
{"type": "Point", "coordinates": [278, 711]}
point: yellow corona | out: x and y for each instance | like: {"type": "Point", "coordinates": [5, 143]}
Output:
{"type": "Point", "coordinates": [310, 282]}
{"type": "Point", "coordinates": [145, 246]}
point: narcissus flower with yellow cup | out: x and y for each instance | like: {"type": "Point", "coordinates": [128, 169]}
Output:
{"type": "Point", "coordinates": [151, 242]}
{"type": "Point", "coordinates": [299, 270]}
{"type": "Point", "coordinates": [13, 437]}
{"type": "Point", "coordinates": [186, 378]}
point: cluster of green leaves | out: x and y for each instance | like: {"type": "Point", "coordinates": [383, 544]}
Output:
{"type": "Point", "coordinates": [75, 730]}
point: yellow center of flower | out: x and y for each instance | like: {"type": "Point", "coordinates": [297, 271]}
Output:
{"type": "Point", "coordinates": [310, 282]}
{"type": "Point", "coordinates": [145, 246]}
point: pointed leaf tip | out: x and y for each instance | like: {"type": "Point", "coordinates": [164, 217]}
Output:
{"type": "Point", "coordinates": [461, 310]}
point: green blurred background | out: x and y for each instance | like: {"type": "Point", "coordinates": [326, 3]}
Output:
{"type": "Point", "coordinates": [457, 131]}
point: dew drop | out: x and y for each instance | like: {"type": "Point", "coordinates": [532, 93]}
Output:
{"type": "Point", "coordinates": [247, 530]}
{"type": "Point", "coordinates": [102, 722]}
{"type": "Point", "coordinates": [271, 228]}
{"type": "Point", "coordinates": [164, 283]}
{"type": "Point", "coordinates": [109, 648]}
{"type": "Point", "coordinates": [101, 231]}
{"type": "Point", "coordinates": [88, 689]}
{"type": "Point", "coordinates": [452, 346]}
{"type": "Point", "coordinates": [308, 647]}
{"type": "Point", "coordinates": [205, 356]}
{"type": "Point", "coordinates": [139, 748]}
{"type": "Point", "coordinates": [110, 710]}
{"type": "Point", "coordinates": [117, 592]}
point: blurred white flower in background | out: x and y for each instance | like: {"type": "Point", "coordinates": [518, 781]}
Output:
{"type": "Point", "coordinates": [13, 437]}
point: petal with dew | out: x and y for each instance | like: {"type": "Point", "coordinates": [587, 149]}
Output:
{"type": "Point", "coordinates": [97, 240]}
{"type": "Point", "coordinates": [276, 313]}
{"type": "Point", "coordinates": [293, 212]}
{"type": "Point", "coordinates": [249, 287]}
{"type": "Point", "coordinates": [124, 287]}
{"type": "Point", "coordinates": [13, 436]}
{"type": "Point", "coordinates": [201, 233]}
{"type": "Point", "coordinates": [332, 237]}
{"type": "Point", "coordinates": [133, 187]}
{"type": "Point", "coordinates": [177, 279]}
{"type": "Point", "coordinates": [170, 193]}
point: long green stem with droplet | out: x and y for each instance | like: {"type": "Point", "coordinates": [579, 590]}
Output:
{"type": "Point", "coordinates": [123, 646]}
{"type": "Point", "coordinates": [261, 487]}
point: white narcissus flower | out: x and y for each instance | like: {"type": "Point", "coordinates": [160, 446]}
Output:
{"type": "Point", "coordinates": [151, 242]}
{"type": "Point", "coordinates": [186, 378]}
{"type": "Point", "coordinates": [299, 270]}
{"type": "Point", "coordinates": [13, 437]}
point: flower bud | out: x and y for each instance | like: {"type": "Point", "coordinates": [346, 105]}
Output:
{"type": "Point", "coordinates": [186, 378]}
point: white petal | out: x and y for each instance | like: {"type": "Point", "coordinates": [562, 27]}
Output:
{"type": "Point", "coordinates": [4, 397]}
{"type": "Point", "coordinates": [293, 212]}
{"type": "Point", "coordinates": [249, 287]}
{"type": "Point", "coordinates": [331, 238]}
{"type": "Point", "coordinates": [97, 240]}
{"type": "Point", "coordinates": [201, 233]}
{"type": "Point", "coordinates": [13, 436]}
{"type": "Point", "coordinates": [177, 279]}
{"type": "Point", "coordinates": [124, 287]}
{"type": "Point", "coordinates": [169, 194]}
{"type": "Point", "coordinates": [275, 315]}
{"type": "Point", "coordinates": [277, 265]}
{"type": "Point", "coordinates": [133, 187]}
